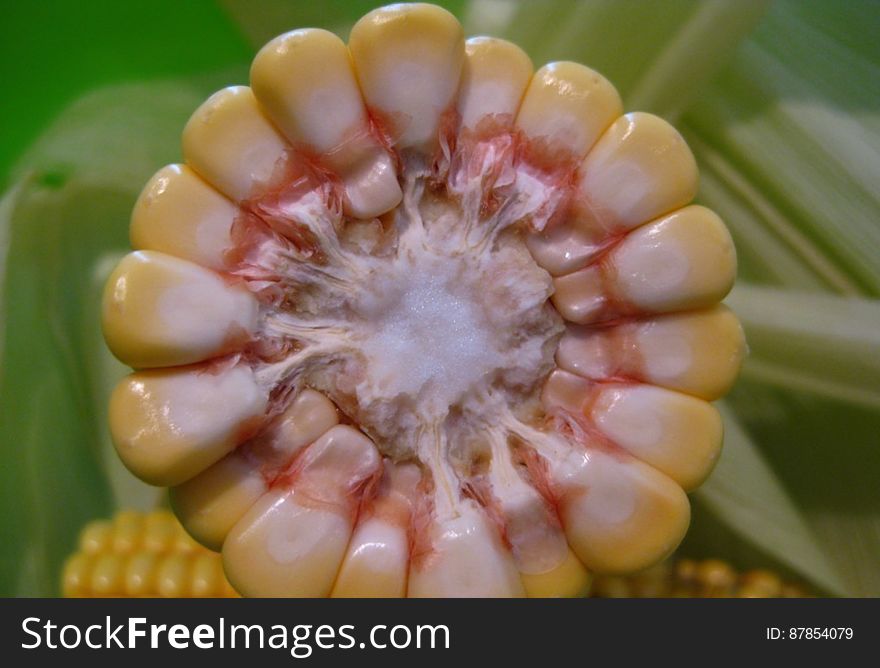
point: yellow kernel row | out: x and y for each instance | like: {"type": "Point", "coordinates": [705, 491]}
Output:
{"type": "Point", "coordinates": [131, 531]}
{"type": "Point", "coordinates": [142, 555]}
{"type": "Point", "coordinates": [689, 578]}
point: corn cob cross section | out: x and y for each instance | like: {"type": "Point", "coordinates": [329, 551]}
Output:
{"type": "Point", "coordinates": [416, 320]}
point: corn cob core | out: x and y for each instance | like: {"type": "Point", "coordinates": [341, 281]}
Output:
{"type": "Point", "coordinates": [416, 320]}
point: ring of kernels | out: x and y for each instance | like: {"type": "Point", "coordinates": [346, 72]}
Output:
{"type": "Point", "coordinates": [415, 320]}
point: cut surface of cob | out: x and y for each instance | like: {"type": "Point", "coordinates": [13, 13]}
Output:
{"type": "Point", "coordinates": [415, 320]}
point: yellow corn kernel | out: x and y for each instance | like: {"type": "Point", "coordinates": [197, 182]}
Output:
{"type": "Point", "coordinates": [696, 352]}
{"type": "Point", "coordinates": [683, 261]}
{"type": "Point", "coordinates": [287, 544]}
{"type": "Point", "coordinates": [127, 530]}
{"type": "Point", "coordinates": [74, 577]}
{"type": "Point", "coordinates": [619, 514]}
{"type": "Point", "coordinates": [107, 575]}
{"type": "Point", "coordinates": [140, 574]}
{"type": "Point", "coordinates": [96, 537]}
{"type": "Point", "coordinates": [160, 530]}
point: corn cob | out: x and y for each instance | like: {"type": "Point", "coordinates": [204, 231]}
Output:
{"type": "Point", "coordinates": [142, 555]}
{"type": "Point", "coordinates": [415, 320]}
{"type": "Point", "coordinates": [689, 578]}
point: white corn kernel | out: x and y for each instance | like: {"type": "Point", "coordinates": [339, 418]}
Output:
{"type": "Point", "coordinates": [619, 514]}
{"type": "Point", "coordinates": [466, 559]}
{"type": "Point", "coordinates": [493, 81]}
{"type": "Point", "coordinates": [569, 106]}
{"type": "Point", "coordinates": [170, 425]}
{"type": "Point", "coordinates": [682, 261]}
{"type": "Point", "coordinates": [305, 82]}
{"type": "Point", "coordinates": [408, 60]}
{"type": "Point", "coordinates": [179, 214]}
{"type": "Point", "coordinates": [639, 169]}
{"type": "Point", "coordinates": [232, 145]}
{"type": "Point", "coordinates": [697, 352]}
{"type": "Point", "coordinates": [292, 541]}
{"type": "Point", "coordinates": [159, 311]}
{"type": "Point", "coordinates": [210, 504]}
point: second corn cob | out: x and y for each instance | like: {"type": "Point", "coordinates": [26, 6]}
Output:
{"type": "Point", "coordinates": [142, 555]}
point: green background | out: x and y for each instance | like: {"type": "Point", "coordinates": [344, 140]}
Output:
{"type": "Point", "coordinates": [54, 51]}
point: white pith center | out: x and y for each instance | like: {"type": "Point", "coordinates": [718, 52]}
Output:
{"type": "Point", "coordinates": [431, 338]}
{"type": "Point", "coordinates": [431, 329]}
{"type": "Point", "coordinates": [419, 341]}
{"type": "Point", "coordinates": [422, 343]}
